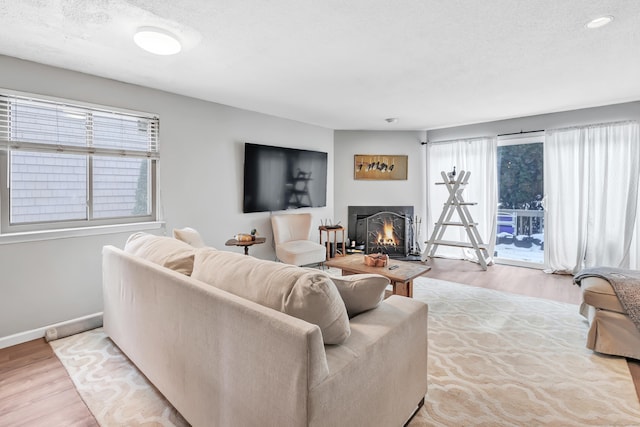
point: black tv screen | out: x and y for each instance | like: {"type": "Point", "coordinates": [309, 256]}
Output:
{"type": "Point", "coordinates": [279, 178]}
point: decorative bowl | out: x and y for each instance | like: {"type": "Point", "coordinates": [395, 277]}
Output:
{"type": "Point", "coordinates": [376, 260]}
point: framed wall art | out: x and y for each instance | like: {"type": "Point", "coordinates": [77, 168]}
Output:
{"type": "Point", "coordinates": [380, 167]}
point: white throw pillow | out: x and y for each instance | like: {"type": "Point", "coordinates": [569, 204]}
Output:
{"type": "Point", "coordinates": [189, 235]}
{"type": "Point", "coordinates": [162, 250]}
{"type": "Point", "coordinates": [307, 295]}
{"type": "Point", "coordinates": [361, 292]}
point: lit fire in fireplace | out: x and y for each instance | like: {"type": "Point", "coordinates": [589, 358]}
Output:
{"type": "Point", "coordinates": [386, 235]}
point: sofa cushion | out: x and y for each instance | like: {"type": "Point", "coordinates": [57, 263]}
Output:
{"type": "Point", "coordinates": [190, 236]}
{"type": "Point", "coordinates": [361, 292]}
{"type": "Point", "coordinates": [298, 292]}
{"type": "Point", "coordinates": [162, 250]}
{"type": "Point", "coordinates": [598, 293]}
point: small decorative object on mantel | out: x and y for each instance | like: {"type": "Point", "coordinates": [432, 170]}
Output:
{"type": "Point", "coordinates": [380, 166]}
{"type": "Point", "coordinates": [376, 260]}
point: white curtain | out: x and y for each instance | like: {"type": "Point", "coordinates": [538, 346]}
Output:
{"type": "Point", "coordinates": [591, 180]}
{"type": "Point", "coordinates": [478, 156]}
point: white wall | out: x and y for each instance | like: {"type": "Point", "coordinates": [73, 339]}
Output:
{"type": "Point", "coordinates": [349, 192]}
{"type": "Point", "coordinates": [586, 116]}
{"type": "Point", "coordinates": [51, 281]}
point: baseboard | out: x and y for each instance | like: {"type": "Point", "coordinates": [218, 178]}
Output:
{"type": "Point", "coordinates": [57, 330]}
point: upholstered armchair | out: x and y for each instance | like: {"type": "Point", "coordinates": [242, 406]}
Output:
{"type": "Point", "coordinates": [611, 329]}
{"type": "Point", "coordinates": [291, 234]}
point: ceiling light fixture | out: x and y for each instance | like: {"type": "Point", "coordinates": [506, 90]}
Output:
{"type": "Point", "coordinates": [157, 41]}
{"type": "Point", "coordinates": [599, 22]}
{"type": "Point", "coordinates": [391, 120]}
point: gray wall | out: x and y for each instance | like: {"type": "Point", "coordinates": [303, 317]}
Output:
{"type": "Point", "coordinates": [201, 144]}
{"type": "Point", "coordinates": [586, 116]}
{"type": "Point", "coordinates": [348, 191]}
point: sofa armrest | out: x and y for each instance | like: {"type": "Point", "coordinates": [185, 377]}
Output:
{"type": "Point", "coordinates": [382, 365]}
{"type": "Point", "coordinates": [219, 359]}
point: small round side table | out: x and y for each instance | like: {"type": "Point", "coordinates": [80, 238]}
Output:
{"type": "Point", "coordinates": [234, 242]}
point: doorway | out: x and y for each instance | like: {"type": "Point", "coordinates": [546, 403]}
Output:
{"type": "Point", "coordinates": [520, 218]}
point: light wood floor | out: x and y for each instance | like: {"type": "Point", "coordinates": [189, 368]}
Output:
{"type": "Point", "coordinates": [517, 280]}
{"type": "Point", "coordinates": [35, 389]}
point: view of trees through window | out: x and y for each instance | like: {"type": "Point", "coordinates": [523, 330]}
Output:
{"type": "Point", "coordinates": [520, 222]}
{"type": "Point", "coordinates": [520, 172]}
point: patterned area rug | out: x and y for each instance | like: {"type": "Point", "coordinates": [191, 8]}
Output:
{"type": "Point", "coordinates": [116, 393]}
{"type": "Point", "coordinates": [499, 359]}
{"type": "Point", "coordinates": [495, 359]}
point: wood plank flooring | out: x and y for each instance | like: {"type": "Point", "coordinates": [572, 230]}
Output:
{"type": "Point", "coordinates": [35, 389]}
{"type": "Point", "coordinates": [524, 281]}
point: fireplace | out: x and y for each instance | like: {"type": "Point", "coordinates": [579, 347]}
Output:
{"type": "Point", "coordinates": [385, 229]}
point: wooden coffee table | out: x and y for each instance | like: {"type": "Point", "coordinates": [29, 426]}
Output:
{"type": "Point", "coordinates": [401, 277]}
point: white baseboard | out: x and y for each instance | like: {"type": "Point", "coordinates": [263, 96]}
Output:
{"type": "Point", "coordinates": [34, 334]}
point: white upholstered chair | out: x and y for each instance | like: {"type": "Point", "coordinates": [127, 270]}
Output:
{"type": "Point", "coordinates": [291, 236]}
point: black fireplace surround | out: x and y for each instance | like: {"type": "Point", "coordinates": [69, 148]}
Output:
{"type": "Point", "coordinates": [370, 228]}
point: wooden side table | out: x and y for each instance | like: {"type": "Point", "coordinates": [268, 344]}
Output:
{"type": "Point", "coordinates": [234, 242]}
{"type": "Point", "coordinates": [328, 241]}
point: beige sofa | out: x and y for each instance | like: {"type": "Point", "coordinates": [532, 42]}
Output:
{"type": "Point", "coordinates": [223, 360]}
{"type": "Point", "coordinates": [611, 331]}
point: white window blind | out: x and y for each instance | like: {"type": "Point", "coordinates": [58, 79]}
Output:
{"type": "Point", "coordinates": [40, 125]}
{"type": "Point", "coordinates": [67, 165]}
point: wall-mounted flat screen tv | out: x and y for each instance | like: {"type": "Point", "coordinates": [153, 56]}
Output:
{"type": "Point", "coordinates": [279, 178]}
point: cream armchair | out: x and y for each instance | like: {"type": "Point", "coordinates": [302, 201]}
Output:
{"type": "Point", "coordinates": [291, 236]}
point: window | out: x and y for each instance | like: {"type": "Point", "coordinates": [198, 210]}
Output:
{"type": "Point", "coordinates": [520, 219]}
{"type": "Point", "coordinates": [66, 166]}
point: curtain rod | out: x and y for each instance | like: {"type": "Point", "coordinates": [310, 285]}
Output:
{"type": "Point", "coordinates": [521, 132]}
{"type": "Point", "coordinates": [455, 140]}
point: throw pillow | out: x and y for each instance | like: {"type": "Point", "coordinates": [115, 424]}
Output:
{"type": "Point", "coordinates": [189, 235]}
{"type": "Point", "coordinates": [361, 292]}
{"type": "Point", "coordinates": [310, 296]}
{"type": "Point", "coordinates": [162, 250]}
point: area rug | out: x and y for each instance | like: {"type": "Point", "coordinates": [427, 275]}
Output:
{"type": "Point", "coordinates": [499, 359]}
{"type": "Point", "coordinates": [495, 359]}
{"type": "Point", "coordinates": [116, 393]}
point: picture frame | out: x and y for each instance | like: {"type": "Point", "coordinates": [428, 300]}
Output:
{"type": "Point", "coordinates": [379, 167]}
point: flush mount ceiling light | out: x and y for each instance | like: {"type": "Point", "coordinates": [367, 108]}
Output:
{"type": "Point", "coordinates": [600, 22]}
{"type": "Point", "coordinates": [391, 120]}
{"type": "Point", "coordinates": [157, 41]}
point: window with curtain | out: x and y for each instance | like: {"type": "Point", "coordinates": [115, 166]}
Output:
{"type": "Point", "coordinates": [478, 156]}
{"type": "Point", "coordinates": [591, 178]}
{"type": "Point", "coordinates": [65, 165]}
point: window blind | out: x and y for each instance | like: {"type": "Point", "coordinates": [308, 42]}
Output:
{"type": "Point", "coordinates": [51, 126]}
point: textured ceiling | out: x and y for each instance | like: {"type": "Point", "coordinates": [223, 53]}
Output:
{"type": "Point", "coordinates": [350, 64]}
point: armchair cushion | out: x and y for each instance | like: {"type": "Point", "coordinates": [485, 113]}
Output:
{"type": "Point", "coordinates": [598, 293]}
{"type": "Point", "coordinates": [301, 252]}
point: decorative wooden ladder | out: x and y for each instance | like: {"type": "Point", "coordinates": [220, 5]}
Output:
{"type": "Point", "coordinates": [456, 203]}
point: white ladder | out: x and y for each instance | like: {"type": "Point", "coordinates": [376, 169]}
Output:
{"type": "Point", "coordinates": [456, 203]}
